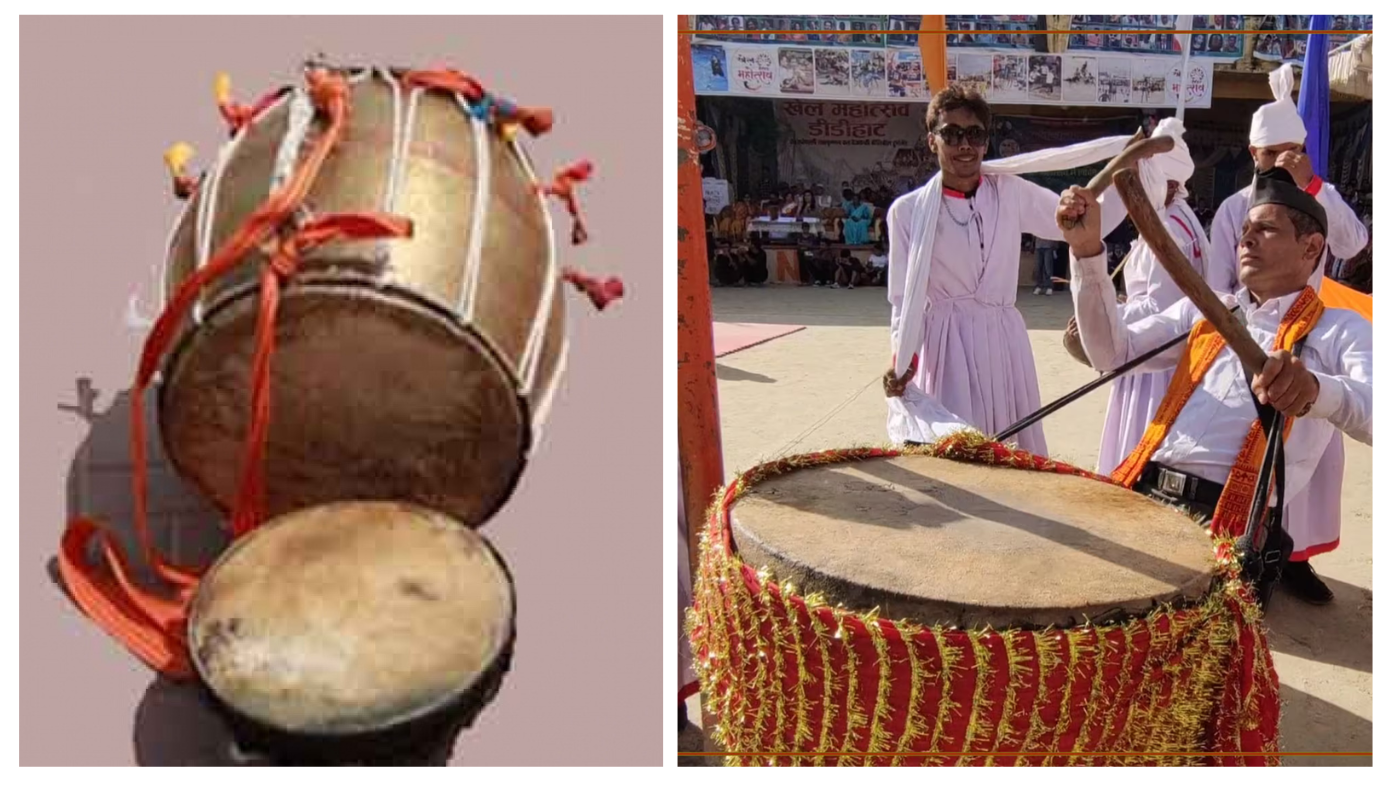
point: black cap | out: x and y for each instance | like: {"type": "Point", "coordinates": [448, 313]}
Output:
{"type": "Point", "coordinates": [1276, 186]}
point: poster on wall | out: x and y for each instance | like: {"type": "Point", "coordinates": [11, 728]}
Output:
{"type": "Point", "coordinates": [1078, 79]}
{"type": "Point", "coordinates": [1148, 88]}
{"type": "Point", "coordinates": [974, 72]}
{"type": "Point", "coordinates": [833, 68]}
{"type": "Point", "coordinates": [883, 146]}
{"type": "Point", "coordinates": [905, 73]}
{"type": "Point", "coordinates": [716, 194]}
{"type": "Point", "coordinates": [993, 31]}
{"type": "Point", "coordinates": [1113, 80]}
{"type": "Point", "coordinates": [752, 70]}
{"type": "Point", "coordinates": [796, 71]}
{"type": "Point", "coordinates": [1221, 40]}
{"type": "Point", "coordinates": [868, 73]}
{"type": "Point", "coordinates": [901, 23]}
{"type": "Point", "coordinates": [1046, 83]}
{"type": "Point", "coordinates": [1017, 32]}
{"type": "Point", "coordinates": [1288, 47]}
{"type": "Point", "coordinates": [1010, 76]}
{"type": "Point", "coordinates": [878, 146]}
{"type": "Point", "coordinates": [710, 69]}
{"type": "Point", "coordinates": [1124, 33]}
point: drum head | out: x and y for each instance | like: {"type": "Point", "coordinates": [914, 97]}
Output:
{"type": "Point", "coordinates": [351, 618]}
{"type": "Point", "coordinates": [947, 542]}
{"type": "Point", "coordinates": [373, 395]}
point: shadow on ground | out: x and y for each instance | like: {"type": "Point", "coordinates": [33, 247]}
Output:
{"type": "Point", "coordinates": [1299, 629]}
{"type": "Point", "coordinates": [1310, 724]}
{"type": "Point", "coordinates": [727, 373]}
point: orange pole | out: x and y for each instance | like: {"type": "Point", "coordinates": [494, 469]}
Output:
{"type": "Point", "coordinates": [933, 50]}
{"type": "Point", "coordinates": [700, 434]}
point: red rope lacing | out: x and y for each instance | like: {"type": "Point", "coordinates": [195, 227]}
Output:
{"type": "Point", "coordinates": [238, 116]}
{"type": "Point", "coordinates": [152, 625]}
{"type": "Point", "coordinates": [601, 292]}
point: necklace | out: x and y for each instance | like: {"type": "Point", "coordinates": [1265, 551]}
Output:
{"type": "Point", "coordinates": [973, 217]}
{"type": "Point", "coordinates": [949, 208]}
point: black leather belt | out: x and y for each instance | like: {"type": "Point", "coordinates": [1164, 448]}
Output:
{"type": "Point", "coordinates": [1179, 488]}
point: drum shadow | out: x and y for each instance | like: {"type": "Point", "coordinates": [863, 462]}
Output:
{"type": "Point", "coordinates": [176, 726]}
{"type": "Point", "coordinates": [1308, 723]}
{"type": "Point", "coordinates": [1339, 633]}
{"type": "Point", "coordinates": [184, 527]}
{"type": "Point", "coordinates": [979, 507]}
{"type": "Point", "coordinates": [172, 724]}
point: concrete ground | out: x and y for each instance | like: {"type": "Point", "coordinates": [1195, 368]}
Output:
{"type": "Point", "coordinates": [820, 388]}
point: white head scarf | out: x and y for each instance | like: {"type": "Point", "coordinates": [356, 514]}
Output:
{"type": "Point", "coordinates": [1176, 165]}
{"type": "Point", "coordinates": [1278, 122]}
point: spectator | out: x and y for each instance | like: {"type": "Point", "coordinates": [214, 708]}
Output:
{"type": "Point", "coordinates": [815, 269]}
{"type": "Point", "coordinates": [1046, 251]}
{"type": "Point", "coordinates": [849, 270]}
{"type": "Point", "coordinates": [754, 266]}
{"type": "Point", "coordinates": [877, 265]}
{"type": "Point", "coordinates": [821, 198]}
{"type": "Point", "coordinates": [727, 268]}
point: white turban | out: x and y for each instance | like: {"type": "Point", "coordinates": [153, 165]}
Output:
{"type": "Point", "coordinates": [1177, 164]}
{"type": "Point", "coordinates": [1278, 122]}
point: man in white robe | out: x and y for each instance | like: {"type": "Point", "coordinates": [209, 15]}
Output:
{"type": "Point", "coordinates": [1327, 389]}
{"type": "Point", "coordinates": [1277, 139]}
{"type": "Point", "coordinates": [1150, 290]}
{"type": "Point", "coordinates": [962, 353]}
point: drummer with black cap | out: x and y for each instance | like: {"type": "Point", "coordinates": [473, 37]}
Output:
{"type": "Point", "coordinates": [1204, 448]}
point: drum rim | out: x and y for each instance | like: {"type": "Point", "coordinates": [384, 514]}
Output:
{"type": "Point", "coordinates": [328, 279]}
{"type": "Point", "coordinates": [499, 658]}
{"type": "Point", "coordinates": [722, 510]}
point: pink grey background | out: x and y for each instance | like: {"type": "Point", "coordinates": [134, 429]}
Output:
{"type": "Point", "coordinates": [101, 98]}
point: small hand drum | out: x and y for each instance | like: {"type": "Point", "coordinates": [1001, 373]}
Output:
{"type": "Point", "coordinates": [361, 632]}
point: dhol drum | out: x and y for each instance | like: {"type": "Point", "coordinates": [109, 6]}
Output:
{"type": "Point", "coordinates": [412, 368]}
{"type": "Point", "coordinates": [972, 603]}
{"type": "Point", "coordinates": [354, 633]}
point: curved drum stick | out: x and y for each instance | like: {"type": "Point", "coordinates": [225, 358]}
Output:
{"type": "Point", "coordinates": [1148, 223]}
{"type": "Point", "coordinates": [1138, 148]}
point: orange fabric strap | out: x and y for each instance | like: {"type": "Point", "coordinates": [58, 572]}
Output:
{"type": "Point", "coordinates": [1205, 344]}
{"type": "Point", "coordinates": [153, 625]}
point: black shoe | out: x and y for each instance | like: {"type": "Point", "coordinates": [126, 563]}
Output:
{"type": "Point", "coordinates": [1301, 581]}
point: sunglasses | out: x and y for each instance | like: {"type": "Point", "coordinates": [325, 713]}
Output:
{"type": "Point", "coordinates": [954, 135]}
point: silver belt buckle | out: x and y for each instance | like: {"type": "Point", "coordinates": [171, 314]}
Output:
{"type": "Point", "coordinates": [1171, 483]}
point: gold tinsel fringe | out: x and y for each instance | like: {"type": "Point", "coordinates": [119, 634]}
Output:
{"type": "Point", "coordinates": [1174, 665]}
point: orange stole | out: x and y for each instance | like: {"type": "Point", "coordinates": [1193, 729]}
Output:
{"type": "Point", "coordinates": [1205, 344]}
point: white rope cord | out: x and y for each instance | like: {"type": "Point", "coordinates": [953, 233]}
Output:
{"type": "Point", "coordinates": [471, 273]}
{"type": "Point", "coordinates": [300, 119]}
{"type": "Point", "coordinates": [400, 140]}
{"type": "Point", "coordinates": [396, 156]}
{"type": "Point", "coordinates": [541, 410]}
{"type": "Point", "coordinates": [529, 360]}
{"type": "Point", "coordinates": [206, 213]}
{"type": "Point", "coordinates": [135, 317]}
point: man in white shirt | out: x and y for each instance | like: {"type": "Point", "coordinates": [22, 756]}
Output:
{"type": "Point", "coordinates": [1150, 290]}
{"type": "Point", "coordinates": [822, 199]}
{"type": "Point", "coordinates": [876, 265]}
{"type": "Point", "coordinates": [1205, 445]}
{"type": "Point", "coordinates": [1277, 140]}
